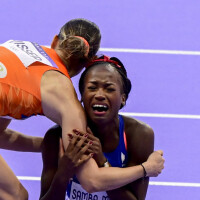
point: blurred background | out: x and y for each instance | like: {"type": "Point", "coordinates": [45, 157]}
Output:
{"type": "Point", "coordinates": [158, 42]}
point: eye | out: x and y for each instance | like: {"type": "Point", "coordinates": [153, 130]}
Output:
{"type": "Point", "coordinates": [110, 89]}
{"type": "Point", "coordinates": [91, 87]}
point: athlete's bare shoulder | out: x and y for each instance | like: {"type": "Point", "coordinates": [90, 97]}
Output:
{"type": "Point", "coordinates": [55, 82]}
{"type": "Point", "coordinates": [53, 78]}
{"type": "Point", "coordinates": [139, 135]}
{"type": "Point", "coordinates": [134, 126]}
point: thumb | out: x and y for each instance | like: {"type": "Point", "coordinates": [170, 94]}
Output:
{"type": "Point", "coordinates": [160, 152]}
{"type": "Point", "coordinates": [86, 158]}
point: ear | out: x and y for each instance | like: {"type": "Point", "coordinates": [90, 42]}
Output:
{"type": "Point", "coordinates": [123, 100]}
{"type": "Point", "coordinates": [54, 42]}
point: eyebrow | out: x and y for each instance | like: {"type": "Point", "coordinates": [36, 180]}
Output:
{"type": "Point", "coordinates": [106, 84]}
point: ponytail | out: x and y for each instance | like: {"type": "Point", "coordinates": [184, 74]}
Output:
{"type": "Point", "coordinates": [75, 46]}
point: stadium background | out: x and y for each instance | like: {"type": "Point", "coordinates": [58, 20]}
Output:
{"type": "Point", "coordinates": [158, 41]}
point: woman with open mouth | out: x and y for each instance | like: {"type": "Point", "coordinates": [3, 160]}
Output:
{"type": "Point", "coordinates": [121, 143]}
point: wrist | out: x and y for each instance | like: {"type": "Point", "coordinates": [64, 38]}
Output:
{"type": "Point", "coordinates": [144, 171]}
{"type": "Point", "coordinates": [106, 164]}
{"type": "Point", "coordinates": [147, 168]}
{"type": "Point", "coordinates": [100, 160]}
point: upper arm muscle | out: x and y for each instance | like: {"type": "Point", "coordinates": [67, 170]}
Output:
{"type": "Point", "coordinates": [140, 138]}
{"type": "Point", "coordinates": [60, 103]}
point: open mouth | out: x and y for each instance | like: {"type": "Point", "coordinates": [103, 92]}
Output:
{"type": "Point", "coordinates": [100, 108]}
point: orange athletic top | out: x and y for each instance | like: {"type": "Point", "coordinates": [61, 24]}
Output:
{"type": "Point", "coordinates": [22, 65]}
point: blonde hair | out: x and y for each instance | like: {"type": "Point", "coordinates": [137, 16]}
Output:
{"type": "Point", "coordinates": [74, 46]}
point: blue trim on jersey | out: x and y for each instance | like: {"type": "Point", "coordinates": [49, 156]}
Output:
{"type": "Point", "coordinates": [44, 54]}
{"type": "Point", "coordinates": [119, 157]}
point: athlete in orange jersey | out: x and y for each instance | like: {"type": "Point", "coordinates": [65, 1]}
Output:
{"type": "Point", "coordinates": [20, 95]}
{"type": "Point", "coordinates": [35, 80]}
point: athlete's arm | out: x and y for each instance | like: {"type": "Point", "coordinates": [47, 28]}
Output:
{"type": "Point", "coordinates": [57, 170]}
{"type": "Point", "coordinates": [137, 139]}
{"type": "Point", "coordinates": [138, 155]}
{"type": "Point", "coordinates": [103, 179]}
{"type": "Point", "coordinates": [50, 152]}
{"type": "Point", "coordinates": [60, 103]}
{"type": "Point", "coordinates": [13, 140]}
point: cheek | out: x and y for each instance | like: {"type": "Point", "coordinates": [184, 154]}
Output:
{"type": "Point", "coordinates": [85, 99]}
{"type": "Point", "coordinates": [117, 100]}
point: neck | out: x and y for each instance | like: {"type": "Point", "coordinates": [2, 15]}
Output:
{"type": "Point", "coordinates": [108, 134]}
{"type": "Point", "coordinates": [71, 72]}
{"type": "Point", "coordinates": [74, 67]}
{"type": "Point", "coordinates": [65, 61]}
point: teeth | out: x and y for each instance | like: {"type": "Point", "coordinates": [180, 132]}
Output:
{"type": "Point", "coordinates": [99, 106]}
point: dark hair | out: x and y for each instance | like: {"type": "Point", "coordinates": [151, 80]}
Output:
{"type": "Point", "coordinates": [75, 46]}
{"type": "Point", "coordinates": [117, 64]}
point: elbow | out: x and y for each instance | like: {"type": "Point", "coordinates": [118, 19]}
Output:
{"type": "Point", "coordinates": [89, 189]}
{"type": "Point", "coordinates": [91, 186]}
{"type": "Point", "coordinates": [19, 193]}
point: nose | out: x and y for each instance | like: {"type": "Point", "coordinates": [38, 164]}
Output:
{"type": "Point", "coordinates": [100, 95]}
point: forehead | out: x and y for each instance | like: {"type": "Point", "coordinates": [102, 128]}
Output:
{"type": "Point", "coordinates": [102, 72]}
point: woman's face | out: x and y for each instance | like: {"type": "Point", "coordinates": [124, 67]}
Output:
{"type": "Point", "coordinates": [102, 96]}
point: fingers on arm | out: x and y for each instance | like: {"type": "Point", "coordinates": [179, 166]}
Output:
{"type": "Point", "coordinates": [96, 145]}
{"type": "Point", "coordinates": [78, 145]}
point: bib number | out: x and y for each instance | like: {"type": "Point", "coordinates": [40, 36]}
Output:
{"type": "Point", "coordinates": [78, 193]}
{"type": "Point", "coordinates": [29, 52]}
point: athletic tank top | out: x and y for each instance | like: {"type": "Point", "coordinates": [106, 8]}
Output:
{"type": "Point", "coordinates": [117, 158]}
{"type": "Point", "coordinates": [22, 65]}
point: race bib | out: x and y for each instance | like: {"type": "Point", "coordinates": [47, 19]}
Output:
{"type": "Point", "coordinates": [29, 52]}
{"type": "Point", "coordinates": [78, 193]}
